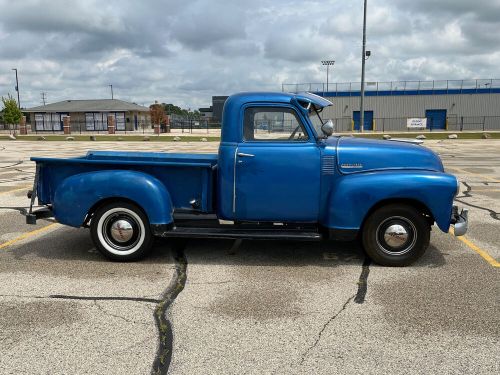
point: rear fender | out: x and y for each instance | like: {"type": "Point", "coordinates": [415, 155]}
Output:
{"type": "Point", "coordinates": [76, 195]}
{"type": "Point", "coordinates": [353, 196]}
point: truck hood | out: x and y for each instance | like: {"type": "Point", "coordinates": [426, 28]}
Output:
{"type": "Point", "coordinates": [361, 155]}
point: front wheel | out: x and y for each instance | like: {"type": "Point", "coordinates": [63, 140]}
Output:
{"type": "Point", "coordinates": [396, 235]}
{"type": "Point", "coordinates": [121, 231]}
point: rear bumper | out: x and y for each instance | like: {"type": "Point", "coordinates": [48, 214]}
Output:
{"type": "Point", "coordinates": [42, 213]}
{"type": "Point", "coordinates": [460, 221]}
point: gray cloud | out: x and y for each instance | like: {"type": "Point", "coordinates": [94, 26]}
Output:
{"type": "Point", "coordinates": [184, 52]}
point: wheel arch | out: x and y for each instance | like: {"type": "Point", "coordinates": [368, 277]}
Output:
{"type": "Point", "coordinates": [415, 203]}
{"type": "Point", "coordinates": [78, 196]}
{"type": "Point", "coordinates": [353, 197]}
{"type": "Point", "coordinates": [105, 201]}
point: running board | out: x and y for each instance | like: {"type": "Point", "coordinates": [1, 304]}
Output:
{"type": "Point", "coordinates": [246, 234]}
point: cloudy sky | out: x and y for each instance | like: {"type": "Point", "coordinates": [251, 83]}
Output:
{"type": "Point", "coordinates": [186, 51]}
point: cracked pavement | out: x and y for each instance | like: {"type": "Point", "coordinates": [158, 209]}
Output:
{"type": "Point", "coordinates": [242, 306]}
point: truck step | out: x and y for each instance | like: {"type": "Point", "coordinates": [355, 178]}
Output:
{"type": "Point", "coordinates": [238, 233]}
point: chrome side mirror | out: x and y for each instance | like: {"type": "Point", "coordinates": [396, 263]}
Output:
{"type": "Point", "coordinates": [327, 128]}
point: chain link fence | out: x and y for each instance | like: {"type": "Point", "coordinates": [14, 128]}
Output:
{"type": "Point", "coordinates": [399, 124]}
{"type": "Point", "coordinates": [185, 125]}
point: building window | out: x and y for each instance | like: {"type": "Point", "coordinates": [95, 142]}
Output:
{"type": "Point", "coordinates": [120, 120]}
{"type": "Point", "coordinates": [49, 121]}
{"type": "Point", "coordinates": [95, 121]}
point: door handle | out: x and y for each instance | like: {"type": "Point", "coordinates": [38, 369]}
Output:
{"type": "Point", "coordinates": [243, 155]}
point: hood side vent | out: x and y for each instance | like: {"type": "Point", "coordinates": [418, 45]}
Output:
{"type": "Point", "coordinates": [328, 164]}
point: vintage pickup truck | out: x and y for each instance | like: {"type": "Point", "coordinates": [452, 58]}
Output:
{"type": "Point", "coordinates": [280, 173]}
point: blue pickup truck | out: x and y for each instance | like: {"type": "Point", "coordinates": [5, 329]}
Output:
{"type": "Point", "coordinates": [290, 179]}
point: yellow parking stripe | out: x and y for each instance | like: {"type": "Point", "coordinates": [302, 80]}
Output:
{"type": "Point", "coordinates": [478, 250]}
{"type": "Point", "coordinates": [13, 190]}
{"type": "Point", "coordinates": [27, 235]}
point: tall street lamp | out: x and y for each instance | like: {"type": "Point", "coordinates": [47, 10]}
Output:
{"type": "Point", "coordinates": [111, 86]}
{"type": "Point", "coordinates": [327, 63]}
{"type": "Point", "coordinates": [363, 59]}
{"type": "Point", "coordinates": [17, 89]}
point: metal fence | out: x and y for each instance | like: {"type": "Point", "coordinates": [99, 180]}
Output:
{"type": "Point", "coordinates": [399, 124]}
{"type": "Point", "coordinates": [344, 124]}
{"type": "Point", "coordinates": [178, 125]}
{"type": "Point", "coordinates": [481, 85]}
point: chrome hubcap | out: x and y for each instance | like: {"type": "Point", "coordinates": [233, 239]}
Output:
{"type": "Point", "coordinates": [122, 231]}
{"type": "Point", "coordinates": [395, 235]}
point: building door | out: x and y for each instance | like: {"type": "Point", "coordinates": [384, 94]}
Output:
{"type": "Point", "coordinates": [368, 120]}
{"type": "Point", "coordinates": [436, 119]}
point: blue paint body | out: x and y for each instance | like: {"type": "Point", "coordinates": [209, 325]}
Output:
{"type": "Point", "coordinates": [332, 182]}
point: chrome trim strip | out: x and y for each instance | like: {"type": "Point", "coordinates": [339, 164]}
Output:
{"type": "Point", "coordinates": [234, 180]}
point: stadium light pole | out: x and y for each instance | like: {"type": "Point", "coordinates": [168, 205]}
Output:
{"type": "Point", "coordinates": [363, 59]}
{"type": "Point", "coordinates": [327, 63]}
{"type": "Point", "coordinates": [17, 89]}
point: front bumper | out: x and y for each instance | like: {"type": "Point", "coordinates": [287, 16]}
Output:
{"type": "Point", "coordinates": [460, 221]}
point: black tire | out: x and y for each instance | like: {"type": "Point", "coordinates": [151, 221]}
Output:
{"type": "Point", "coordinates": [396, 235]}
{"type": "Point", "coordinates": [121, 231]}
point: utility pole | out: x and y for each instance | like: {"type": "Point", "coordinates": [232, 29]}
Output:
{"type": "Point", "coordinates": [17, 89]}
{"type": "Point", "coordinates": [327, 63]}
{"type": "Point", "coordinates": [44, 97]}
{"type": "Point", "coordinates": [361, 107]}
{"type": "Point", "coordinates": [111, 86]}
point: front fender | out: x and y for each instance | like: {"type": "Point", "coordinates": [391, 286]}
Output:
{"type": "Point", "coordinates": [352, 196]}
{"type": "Point", "coordinates": [77, 194]}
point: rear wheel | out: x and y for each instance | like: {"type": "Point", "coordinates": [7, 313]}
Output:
{"type": "Point", "coordinates": [120, 231]}
{"type": "Point", "coordinates": [396, 235]}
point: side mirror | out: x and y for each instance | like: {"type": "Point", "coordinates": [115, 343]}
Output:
{"type": "Point", "coordinates": [327, 128]}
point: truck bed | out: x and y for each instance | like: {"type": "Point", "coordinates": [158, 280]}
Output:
{"type": "Point", "coordinates": [186, 176]}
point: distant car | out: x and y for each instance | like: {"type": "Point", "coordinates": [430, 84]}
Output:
{"type": "Point", "coordinates": [301, 185]}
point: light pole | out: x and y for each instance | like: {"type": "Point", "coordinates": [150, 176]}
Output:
{"type": "Point", "coordinates": [363, 59]}
{"type": "Point", "coordinates": [17, 89]}
{"type": "Point", "coordinates": [111, 86]}
{"type": "Point", "coordinates": [327, 63]}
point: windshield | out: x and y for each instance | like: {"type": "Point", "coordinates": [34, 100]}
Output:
{"type": "Point", "coordinates": [316, 121]}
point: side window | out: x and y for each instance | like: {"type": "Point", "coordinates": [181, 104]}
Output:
{"type": "Point", "coordinates": [273, 124]}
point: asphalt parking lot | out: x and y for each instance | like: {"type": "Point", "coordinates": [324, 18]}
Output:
{"type": "Point", "coordinates": [203, 307]}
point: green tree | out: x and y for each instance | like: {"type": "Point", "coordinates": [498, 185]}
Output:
{"type": "Point", "coordinates": [11, 112]}
{"type": "Point", "coordinates": [173, 109]}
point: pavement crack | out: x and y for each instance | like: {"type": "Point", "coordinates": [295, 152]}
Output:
{"type": "Point", "coordinates": [318, 338]}
{"type": "Point", "coordinates": [177, 283]}
{"type": "Point", "coordinates": [358, 298]}
{"type": "Point", "coordinates": [363, 281]}
{"type": "Point", "coordinates": [106, 312]}
{"type": "Point", "coordinates": [493, 214]}
{"type": "Point", "coordinates": [468, 194]}
{"type": "Point", "coordinates": [213, 282]}
{"type": "Point", "coordinates": [111, 298]}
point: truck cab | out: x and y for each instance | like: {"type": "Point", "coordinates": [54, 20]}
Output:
{"type": "Point", "coordinates": [272, 173]}
{"type": "Point", "coordinates": [280, 173]}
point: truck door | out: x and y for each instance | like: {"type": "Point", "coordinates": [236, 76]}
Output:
{"type": "Point", "coordinates": [277, 170]}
